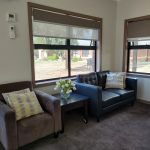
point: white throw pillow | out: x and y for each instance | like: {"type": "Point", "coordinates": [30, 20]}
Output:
{"type": "Point", "coordinates": [116, 80]}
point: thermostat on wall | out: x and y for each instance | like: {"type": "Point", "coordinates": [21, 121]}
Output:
{"type": "Point", "coordinates": [11, 17]}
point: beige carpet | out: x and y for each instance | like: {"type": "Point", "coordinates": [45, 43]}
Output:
{"type": "Point", "coordinates": [127, 128]}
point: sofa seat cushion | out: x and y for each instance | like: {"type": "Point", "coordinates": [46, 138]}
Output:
{"type": "Point", "coordinates": [124, 93]}
{"type": "Point", "coordinates": [34, 127]}
{"type": "Point", "coordinates": [109, 98]}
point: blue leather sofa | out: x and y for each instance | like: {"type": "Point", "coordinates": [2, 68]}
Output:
{"type": "Point", "coordinates": [104, 100]}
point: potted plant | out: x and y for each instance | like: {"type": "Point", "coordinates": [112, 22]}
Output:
{"type": "Point", "coordinates": [65, 87]}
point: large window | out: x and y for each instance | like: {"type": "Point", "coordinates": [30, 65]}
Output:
{"type": "Point", "coordinates": [137, 46]}
{"type": "Point", "coordinates": [56, 58]}
{"type": "Point", "coordinates": [62, 45]}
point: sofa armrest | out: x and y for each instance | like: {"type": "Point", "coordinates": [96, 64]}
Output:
{"type": "Point", "coordinates": [8, 127]}
{"type": "Point", "coordinates": [51, 104]}
{"type": "Point", "coordinates": [95, 96]}
{"type": "Point", "coordinates": [131, 83]}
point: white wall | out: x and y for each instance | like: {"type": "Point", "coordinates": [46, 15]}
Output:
{"type": "Point", "coordinates": [15, 54]}
{"type": "Point", "coordinates": [129, 9]}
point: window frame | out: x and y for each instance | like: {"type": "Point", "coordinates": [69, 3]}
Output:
{"type": "Point", "coordinates": [68, 47]}
{"type": "Point", "coordinates": [126, 53]}
{"type": "Point", "coordinates": [135, 47]}
{"type": "Point", "coordinates": [32, 46]}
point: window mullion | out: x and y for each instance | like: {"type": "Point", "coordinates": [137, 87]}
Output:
{"type": "Point", "coordinates": [69, 60]}
{"type": "Point", "coordinates": [95, 56]}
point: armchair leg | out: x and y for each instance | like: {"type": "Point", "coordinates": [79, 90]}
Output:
{"type": "Point", "coordinates": [56, 134]}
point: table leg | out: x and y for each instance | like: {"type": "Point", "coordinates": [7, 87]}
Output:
{"type": "Point", "coordinates": [85, 112]}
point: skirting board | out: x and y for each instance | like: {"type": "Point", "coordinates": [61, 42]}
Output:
{"type": "Point", "coordinates": [143, 101]}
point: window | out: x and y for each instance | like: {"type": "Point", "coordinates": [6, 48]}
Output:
{"type": "Point", "coordinates": [56, 58]}
{"type": "Point", "coordinates": [137, 46]}
{"type": "Point", "coordinates": [139, 56]}
{"type": "Point", "coordinates": [62, 45]}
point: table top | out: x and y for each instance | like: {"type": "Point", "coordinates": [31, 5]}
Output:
{"type": "Point", "coordinates": [73, 99]}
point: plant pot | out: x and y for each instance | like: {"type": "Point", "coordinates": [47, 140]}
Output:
{"type": "Point", "coordinates": [65, 96]}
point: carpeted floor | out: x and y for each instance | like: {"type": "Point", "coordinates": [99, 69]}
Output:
{"type": "Point", "coordinates": [127, 128]}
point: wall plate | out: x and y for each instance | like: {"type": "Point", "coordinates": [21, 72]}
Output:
{"type": "Point", "coordinates": [11, 17]}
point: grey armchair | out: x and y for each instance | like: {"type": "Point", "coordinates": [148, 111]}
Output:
{"type": "Point", "coordinates": [14, 134]}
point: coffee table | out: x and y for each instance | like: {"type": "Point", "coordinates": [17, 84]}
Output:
{"type": "Point", "coordinates": [75, 101]}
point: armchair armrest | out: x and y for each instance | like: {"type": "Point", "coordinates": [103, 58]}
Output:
{"type": "Point", "coordinates": [8, 127]}
{"type": "Point", "coordinates": [95, 96]}
{"type": "Point", "coordinates": [51, 104]}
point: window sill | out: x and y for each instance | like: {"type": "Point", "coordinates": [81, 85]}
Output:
{"type": "Point", "coordinates": [50, 83]}
{"type": "Point", "coordinates": [140, 75]}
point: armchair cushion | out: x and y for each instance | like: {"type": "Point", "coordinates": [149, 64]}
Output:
{"type": "Point", "coordinates": [10, 87]}
{"type": "Point", "coordinates": [6, 95]}
{"type": "Point", "coordinates": [34, 127]}
{"type": "Point", "coordinates": [24, 105]}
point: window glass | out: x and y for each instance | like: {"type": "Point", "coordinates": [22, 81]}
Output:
{"type": "Point", "coordinates": [82, 61]}
{"type": "Point", "coordinates": [50, 64]}
{"type": "Point", "coordinates": [139, 60]}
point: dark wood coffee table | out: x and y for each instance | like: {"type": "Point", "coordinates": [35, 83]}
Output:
{"type": "Point", "coordinates": [75, 101]}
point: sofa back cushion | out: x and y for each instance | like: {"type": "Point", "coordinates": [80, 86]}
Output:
{"type": "Point", "coordinates": [10, 87]}
{"type": "Point", "coordinates": [102, 78]}
{"type": "Point", "coordinates": [90, 78]}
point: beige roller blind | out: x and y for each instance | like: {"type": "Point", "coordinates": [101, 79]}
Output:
{"type": "Point", "coordinates": [47, 16]}
{"type": "Point", "coordinates": [64, 31]}
{"type": "Point", "coordinates": [137, 29]}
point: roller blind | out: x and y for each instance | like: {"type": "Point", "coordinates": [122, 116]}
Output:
{"type": "Point", "coordinates": [64, 31]}
{"type": "Point", "coordinates": [139, 29]}
{"type": "Point", "coordinates": [52, 24]}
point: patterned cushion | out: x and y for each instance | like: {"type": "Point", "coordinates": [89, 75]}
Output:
{"type": "Point", "coordinates": [24, 105]}
{"type": "Point", "coordinates": [90, 78]}
{"type": "Point", "coordinates": [5, 95]}
{"type": "Point", "coordinates": [116, 80]}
